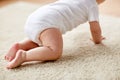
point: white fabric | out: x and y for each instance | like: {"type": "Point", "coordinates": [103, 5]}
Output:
{"type": "Point", "coordinates": [63, 14]}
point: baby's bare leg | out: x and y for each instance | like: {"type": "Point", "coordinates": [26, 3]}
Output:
{"type": "Point", "coordinates": [24, 45]}
{"type": "Point", "coordinates": [52, 46]}
{"type": "Point", "coordinates": [51, 50]}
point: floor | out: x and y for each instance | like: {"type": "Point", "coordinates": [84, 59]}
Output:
{"type": "Point", "coordinates": [109, 7]}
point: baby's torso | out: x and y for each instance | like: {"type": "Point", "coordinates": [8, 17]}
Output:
{"type": "Point", "coordinates": [73, 12]}
{"type": "Point", "coordinates": [66, 14]}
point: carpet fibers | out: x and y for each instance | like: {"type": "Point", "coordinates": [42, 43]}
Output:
{"type": "Point", "coordinates": [81, 59]}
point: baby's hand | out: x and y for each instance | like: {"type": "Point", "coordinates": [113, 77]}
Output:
{"type": "Point", "coordinates": [102, 38]}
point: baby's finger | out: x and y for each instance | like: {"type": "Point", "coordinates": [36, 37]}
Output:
{"type": "Point", "coordinates": [103, 38]}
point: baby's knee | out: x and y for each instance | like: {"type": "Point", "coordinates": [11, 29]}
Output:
{"type": "Point", "coordinates": [57, 53]}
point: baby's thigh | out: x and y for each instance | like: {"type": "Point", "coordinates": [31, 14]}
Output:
{"type": "Point", "coordinates": [52, 38]}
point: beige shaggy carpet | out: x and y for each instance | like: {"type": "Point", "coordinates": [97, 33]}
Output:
{"type": "Point", "coordinates": [81, 59]}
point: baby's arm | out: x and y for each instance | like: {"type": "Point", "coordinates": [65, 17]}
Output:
{"type": "Point", "coordinates": [96, 32]}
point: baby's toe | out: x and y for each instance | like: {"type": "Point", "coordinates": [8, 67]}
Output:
{"type": "Point", "coordinates": [8, 66]}
{"type": "Point", "coordinates": [10, 59]}
{"type": "Point", "coordinates": [7, 58]}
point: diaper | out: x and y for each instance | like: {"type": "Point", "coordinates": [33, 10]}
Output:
{"type": "Point", "coordinates": [42, 19]}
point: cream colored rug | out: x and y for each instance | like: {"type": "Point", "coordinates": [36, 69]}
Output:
{"type": "Point", "coordinates": [81, 60]}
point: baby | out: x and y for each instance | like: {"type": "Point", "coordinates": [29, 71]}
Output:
{"type": "Point", "coordinates": [45, 27]}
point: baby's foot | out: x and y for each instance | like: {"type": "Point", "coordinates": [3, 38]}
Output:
{"type": "Point", "coordinates": [18, 60]}
{"type": "Point", "coordinates": [12, 52]}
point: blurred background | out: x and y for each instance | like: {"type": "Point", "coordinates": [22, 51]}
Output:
{"type": "Point", "coordinates": [109, 7]}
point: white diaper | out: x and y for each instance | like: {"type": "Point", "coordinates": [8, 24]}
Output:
{"type": "Point", "coordinates": [41, 20]}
